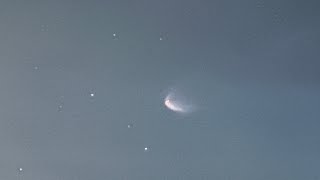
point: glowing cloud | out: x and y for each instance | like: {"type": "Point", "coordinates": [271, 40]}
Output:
{"type": "Point", "coordinates": [173, 106]}
{"type": "Point", "coordinates": [178, 103]}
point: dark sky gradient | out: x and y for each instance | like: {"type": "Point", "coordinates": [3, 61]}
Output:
{"type": "Point", "coordinates": [251, 69]}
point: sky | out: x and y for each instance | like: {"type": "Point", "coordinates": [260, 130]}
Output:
{"type": "Point", "coordinates": [84, 86]}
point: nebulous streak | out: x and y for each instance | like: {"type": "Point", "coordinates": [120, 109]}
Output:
{"type": "Point", "coordinates": [173, 106]}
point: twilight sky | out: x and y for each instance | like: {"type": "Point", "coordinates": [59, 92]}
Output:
{"type": "Point", "coordinates": [83, 86]}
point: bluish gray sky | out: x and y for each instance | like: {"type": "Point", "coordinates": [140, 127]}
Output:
{"type": "Point", "coordinates": [251, 69]}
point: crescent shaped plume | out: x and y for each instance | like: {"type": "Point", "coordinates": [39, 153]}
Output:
{"type": "Point", "coordinates": [173, 106]}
